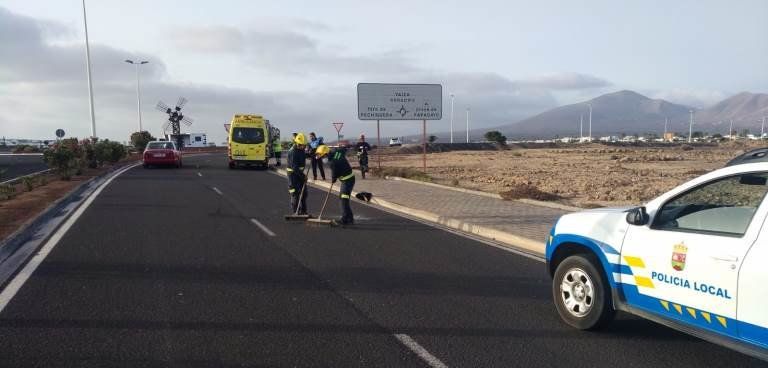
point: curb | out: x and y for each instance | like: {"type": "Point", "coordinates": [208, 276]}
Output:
{"type": "Point", "coordinates": [506, 239]}
{"type": "Point", "coordinates": [16, 249]}
{"type": "Point", "coordinates": [532, 202]}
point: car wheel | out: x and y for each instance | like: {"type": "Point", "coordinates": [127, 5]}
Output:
{"type": "Point", "coordinates": [581, 293]}
{"type": "Point", "coordinates": [146, 166]}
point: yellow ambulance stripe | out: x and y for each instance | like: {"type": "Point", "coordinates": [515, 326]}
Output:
{"type": "Point", "coordinates": [678, 308]}
{"type": "Point", "coordinates": [665, 304]}
{"type": "Point", "coordinates": [706, 316]}
{"type": "Point", "coordinates": [692, 312]}
{"type": "Point", "coordinates": [634, 261]}
{"type": "Point", "coordinates": [644, 282]}
{"type": "Point", "coordinates": [722, 321]}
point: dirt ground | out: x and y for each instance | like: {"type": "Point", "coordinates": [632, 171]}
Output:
{"type": "Point", "coordinates": [587, 176]}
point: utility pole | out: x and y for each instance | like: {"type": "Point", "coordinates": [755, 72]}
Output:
{"type": "Point", "coordinates": [762, 128]}
{"type": "Point", "coordinates": [467, 124]}
{"type": "Point", "coordinates": [690, 126]}
{"type": "Point", "coordinates": [581, 128]}
{"type": "Point", "coordinates": [452, 98]}
{"type": "Point", "coordinates": [88, 71]}
{"type": "Point", "coordinates": [138, 88]}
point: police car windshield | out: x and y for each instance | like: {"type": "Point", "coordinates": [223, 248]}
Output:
{"type": "Point", "coordinates": [248, 135]}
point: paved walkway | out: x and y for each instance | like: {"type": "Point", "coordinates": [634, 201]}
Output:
{"type": "Point", "coordinates": [515, 223]}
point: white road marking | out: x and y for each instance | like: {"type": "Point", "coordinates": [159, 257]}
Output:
{"type": "Point", "coordinates": [217, 191]}
{"type": "Point", "coordinates": [200, 175]}
{"type": "Point", "coordinates": [420, 351]}
{"type": "Point", "coordinates": [262, 227]}
{"type": "Point", "coordinates": [25, 273]}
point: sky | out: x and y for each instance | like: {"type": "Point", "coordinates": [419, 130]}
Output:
{"type": "Point", "coordinates": [298, 62]}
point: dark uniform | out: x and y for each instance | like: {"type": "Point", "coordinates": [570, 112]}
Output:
{"type": "Point", "coordinates": [362, 156]}
{"type": "Point", "coordinates": [342, 171]}
{"type": "Point", "coordinates": [297, 159]}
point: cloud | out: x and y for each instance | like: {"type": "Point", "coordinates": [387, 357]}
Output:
{"type": "Point", "coordinates": [565, 81]}
{"type": "Point", "coordinates": [698, 98]}
{"type": "Point", "coordinates": [209, 39]}
{"type": "Point", "coordinates": [43, 85]}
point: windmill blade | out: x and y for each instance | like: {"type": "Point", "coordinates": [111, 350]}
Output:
{"type": "Point", "coordinates": [187, 121]}
{"type": "Point", "coordinates": [162, 106]}
{"type": "Point", "coordinates": [181, 102]}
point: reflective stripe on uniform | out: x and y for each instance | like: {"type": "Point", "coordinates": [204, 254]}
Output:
{"type": "Point", "coordinates": [301, 168]}
{"type": "Point", "coordinates": [291, 190]}
{"type": "Point", "coordinates": [289, 169]}
{"type": "Point", "coordinates": [347, 177]}
{"type": "Point", "coordinates": [345, 196]}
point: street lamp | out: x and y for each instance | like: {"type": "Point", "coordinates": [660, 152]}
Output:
{"type": "Point", "coordinates": [138, 87]}
{"type": "Point", "coordinates": [88, 71]}
{"type": "Point", "coordinates": [690, 126]}
{"type": "Point", "coordinates": [467, 124]}
{"type": "Point", "coordinates": [452, 97]}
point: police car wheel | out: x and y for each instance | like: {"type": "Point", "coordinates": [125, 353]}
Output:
{"type": "Point", "coordinates": [581, 293]}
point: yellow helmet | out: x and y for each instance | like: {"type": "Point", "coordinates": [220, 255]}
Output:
{"type": "Point", "coordinates": [300, 139]}
{"type": "Point", "coordinates": [322, 150]}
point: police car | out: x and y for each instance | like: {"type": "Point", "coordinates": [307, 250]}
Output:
{"type": "Point", "coordinates": [695, 259]}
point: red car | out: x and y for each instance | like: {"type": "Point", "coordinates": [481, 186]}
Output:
{"type": "Point", "coordinates": [162, 153]}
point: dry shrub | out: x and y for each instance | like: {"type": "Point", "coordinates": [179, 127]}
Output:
{"type": "Point", "coordinates": [401, 172]}
{"type": "Point", "coordinates": [527, 191]}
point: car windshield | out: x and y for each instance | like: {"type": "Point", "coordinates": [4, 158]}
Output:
{"type": "Point", "coordinates": [160, 145]}
{"type": "Point", "coordinates": [248, 135]}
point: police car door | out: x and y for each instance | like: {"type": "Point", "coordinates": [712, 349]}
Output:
{"type": "Point", "coordinates": [684, 264]}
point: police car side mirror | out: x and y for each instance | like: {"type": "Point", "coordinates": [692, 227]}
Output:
{"type": "Point", "coordinates": [637, 216]}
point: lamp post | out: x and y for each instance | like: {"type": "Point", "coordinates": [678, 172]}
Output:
{"type": "Point", "coordinates": [452, 97]}
{"type": "Point", "coordinates": [88, 71]}
{"type": "Point", "coordinates": [690, 126]}
{"type": "Point", "coordinates": [138, 87]}
{"type": "Point", "coordinates": [467, 124]}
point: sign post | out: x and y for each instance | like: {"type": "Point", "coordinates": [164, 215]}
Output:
{"type": "Point", "coordinates": [381, 101]}
{"type": "Point", "coordinates": [378, 145]}
{"type": "Point", "coordinates": [337, 126]}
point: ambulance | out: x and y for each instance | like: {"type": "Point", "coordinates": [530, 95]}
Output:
{"type": "Point", "coordinates": [248, 142]}
{"type": "Point", "coordinates": [694, 259]}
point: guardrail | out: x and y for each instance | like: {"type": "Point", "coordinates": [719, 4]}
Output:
{"type": "Point", "coordinates": [19, 178]}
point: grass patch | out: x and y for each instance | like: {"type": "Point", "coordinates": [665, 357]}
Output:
{"type": "Point", "coordinates": [401, 172]}
{"type": "Point", "coordinates": [524, 191]}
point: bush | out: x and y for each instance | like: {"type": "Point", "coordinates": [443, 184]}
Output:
{"type": "Point", "coordinates": [140, 140]}
{"type": "Point", "coordinates": [496, 136]}
{"type": "Point", "coordinates": [108, 151]}
{"type": "Point", "coordinates": [7, 191]}
{"type": "Point", "coordinates": [28, 182]}
{"type": "Point", "coordinates": [65, 157]}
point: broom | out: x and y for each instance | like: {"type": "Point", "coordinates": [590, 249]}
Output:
{"type": "Point", "coordinates": [319, 220]}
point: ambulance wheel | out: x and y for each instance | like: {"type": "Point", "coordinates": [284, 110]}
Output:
{"type": "Point", "coordinates": [581, 293]}
{"type": "Point", "coordinates": [231, 165]}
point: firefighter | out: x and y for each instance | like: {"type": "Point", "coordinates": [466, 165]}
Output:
{"type": "Point", "coordinates": [277, 148]}
{"type": "Point", "coordinates": [362, 154]}
{"type": "Point", "coordinates": [297, 159]}
{"type": "Point", "coordinates": [341, 171]}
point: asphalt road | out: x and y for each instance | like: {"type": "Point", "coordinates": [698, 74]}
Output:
{"type": "Point", "coordinates": [167, 268]}
{"type": "Point", "coordinates": [13, 166]}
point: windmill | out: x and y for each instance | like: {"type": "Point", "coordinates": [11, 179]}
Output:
{"type": "Point", "coordinates": [175, 118]}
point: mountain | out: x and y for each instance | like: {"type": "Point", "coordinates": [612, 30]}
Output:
{"type": "Point", "coordinates": [612, 114]}
{"type": "Point", "coordinates": [744, 107]}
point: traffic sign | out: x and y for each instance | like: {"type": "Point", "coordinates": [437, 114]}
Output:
{"type": "Point", "coordinates": [338, 126]}
{"type": "Point", "coordinates": [381, 101]}
{"type": "Point", "coordinates": [60, 133]}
